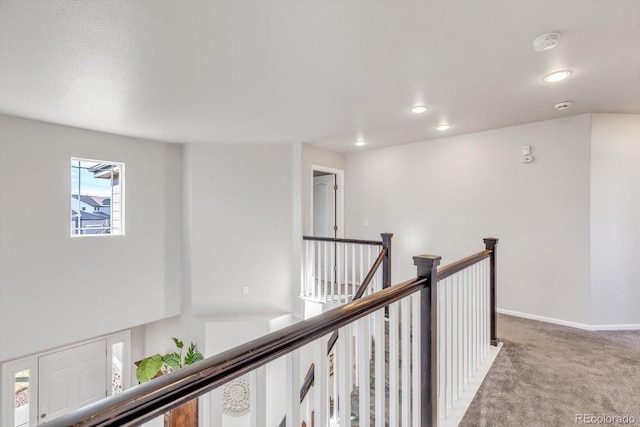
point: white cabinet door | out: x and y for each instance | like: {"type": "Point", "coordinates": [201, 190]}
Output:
{"type": "Point", "coordinates": [71, 379]}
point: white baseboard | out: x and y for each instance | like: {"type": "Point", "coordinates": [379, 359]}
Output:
{"type": "Point", "coordinates": [624, 327]}
{"type": "Point", "coordinates": [460, 406]}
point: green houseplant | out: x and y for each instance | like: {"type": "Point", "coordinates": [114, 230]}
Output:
{"type": "Point", "coordinates": [150, 367]}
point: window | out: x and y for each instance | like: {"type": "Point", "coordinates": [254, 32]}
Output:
{"type": "Point", "coordinates": [117, 356]}
{"type": "Point", "coordinates": [97, 197]}
{"type": "Point", "coordinates": [21, 399]}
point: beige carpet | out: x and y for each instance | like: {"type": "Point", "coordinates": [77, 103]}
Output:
{"type": "Point", "coordinates": [547, 374]}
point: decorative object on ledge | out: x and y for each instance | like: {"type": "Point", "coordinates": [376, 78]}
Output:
{"type": "Point", "coordinates": [236, 396]}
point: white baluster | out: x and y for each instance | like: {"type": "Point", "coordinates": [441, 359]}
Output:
{"type": "Point", "coordinates": [369, 263]}
{"type": "Point", "coordinates": [326, 272]}
{"type": "Point", "coordinates": [379, 367]}
{"type": "Point", "coordinates": [416, 343]}
{"type": "Point", "coordinates": [339, 270]}
{"type": "Point", "coordinates": [405, 357]}
{"type": "Point", "coordinates": [460, 329]}
{"type": "Point", "coordinates": [481, 339]}
{"type": "Point", "coordinates": [449, 344]}
{"type": "Point", "coordinates": [394, 386]}
{"type": "Point", "coordinates": [293, 388]}
{"type": "Point", "coordinates": [333, 271]}
{"type": "Point", "coordinates": [455, 282]}
{"type": "Point", "coordinates": [347, 269]}
{"type": "Point", "coordinates": [479, 308]}
{"type": "Point", "coordinates": [344, 375]}
{"type": "Point", "coordinates": [353, 270]}
{"type": "Point", "coordinates": [487, 311]}
{"type": "Point", "coordinates": [362, 273]}
{"type": "Point", "coordinates": [364, 369]}
{"type": "Point", "coordinates": [484, 303]}
{"type": "Point", "coordinates": [441, 349]}
{"type": "Point", "coordinates": [319, 269]}
{"type": "Point", "coordinates": [320, 383]}
{"type": "Point", "coordinates": [258, 398]}
{"type": "Point", "coordinates": [304, 267]}
{"type": "Point", "coordinates": [475, 325]}
{"type": "Point", "coordinates": [466, 307]}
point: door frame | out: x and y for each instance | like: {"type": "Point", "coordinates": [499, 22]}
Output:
{"type": "Point", "coordinates": [31, 362]}
{"type": "Point", "coordinates": [339, 173]}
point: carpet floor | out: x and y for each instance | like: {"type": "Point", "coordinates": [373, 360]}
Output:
{"type": "Point", "coordinates": [549, 375]}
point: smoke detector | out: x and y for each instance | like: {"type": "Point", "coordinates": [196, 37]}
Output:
{"type": "Point", "coordinates": [546, 42]}
{"type": "Point", "coordinates": [563, 105]}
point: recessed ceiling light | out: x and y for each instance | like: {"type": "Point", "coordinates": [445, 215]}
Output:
{"type": "Point", "coordinates": [360, 142]}
{"type": "Point", "coordinates": [557, 76]}
{"type": "Point", "coordinates": [546, 42]}
{"type": "Point", "coordinates": [443, 127]}
{"type": "Point", "coordinates": [419, 109]}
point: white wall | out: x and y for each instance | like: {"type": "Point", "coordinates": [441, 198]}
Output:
{"type": "Point", "coordinates": [443, 196]}
{"type": "Point", "coordinates": [55, 289]}
{"type": "Point", "coordinates": [615, 219]}
{"type": "Point", "coordinates": [242, 226]}
{"type": "Point", "coordinates": [319, 157]}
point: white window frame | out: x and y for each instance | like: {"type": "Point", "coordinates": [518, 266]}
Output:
{"type": "Point", "coordinates": [121, 184]}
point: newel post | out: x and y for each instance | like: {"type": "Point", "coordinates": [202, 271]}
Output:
{"type": "Point", "coordinates": [491, 243]}
{"type": "Point", "coordinates": [386, 262]}
{"type": "Point", "coordinates": [427, 266]}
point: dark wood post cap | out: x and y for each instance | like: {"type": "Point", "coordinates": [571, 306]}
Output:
{"type": "Point", "coordinates": [426, 263]}
{"type": "Point", "coordinates": [490, 242]}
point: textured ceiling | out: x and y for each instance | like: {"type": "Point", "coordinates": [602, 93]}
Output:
{"type": "Point", "coordinates": [322, 72]}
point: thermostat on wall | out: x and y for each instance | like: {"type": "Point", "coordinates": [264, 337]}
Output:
{"type": "Point", "coordinates": [526, 154]}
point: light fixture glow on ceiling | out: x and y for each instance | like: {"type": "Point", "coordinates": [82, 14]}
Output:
{"type": "Point", "coordinates": [443, 127]}
{"type": "Point", "coordinates": [419, 109]}
{"type": "Point", "coordinates": [557, 76]}
{"type": "Point", "coordinates": [360, 142]}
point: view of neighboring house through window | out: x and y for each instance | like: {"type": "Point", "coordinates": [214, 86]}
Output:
{"type": "Point", "coordinates": [97, 202]}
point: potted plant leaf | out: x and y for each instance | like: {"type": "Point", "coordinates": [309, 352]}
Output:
{"type": "Point", "coordinates": [151, 367]}
{"type": "Point", "coordinates": [156, 365]}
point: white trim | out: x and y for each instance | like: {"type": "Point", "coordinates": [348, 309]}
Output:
{"type": "Point", "coordinates": [123, 337]}
{"type": "Point", "coordinates": [340, 196]}
{"type": "Point", "coordinates": [9, 368]}
{"type": "Point", "coordinates": [622, 327]}
{"type": "Point", "coordinates": [465, 398]}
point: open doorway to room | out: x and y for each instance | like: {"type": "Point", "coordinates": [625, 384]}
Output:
{"type": "Point", "coordinates": [327, 214]}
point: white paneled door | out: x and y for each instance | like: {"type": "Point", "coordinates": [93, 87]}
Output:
{"type": "Point", "coordinates": [71, 379]}
{"type": "Point", "coordinates": [324, 205]}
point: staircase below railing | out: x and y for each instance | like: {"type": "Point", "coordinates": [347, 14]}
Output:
{"type": "Point", "coordinates": [399, 370]}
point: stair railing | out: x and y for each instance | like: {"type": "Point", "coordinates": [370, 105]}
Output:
{"type": "Point", "coordinates": [405, 354]}
{"type": "Point", "coordinates": [466, 324]}
{"type": "Point", "coordinates": [333, 268]}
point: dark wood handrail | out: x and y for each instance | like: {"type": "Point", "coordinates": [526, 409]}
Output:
{"type": "Point", "coordinates": [370, 275]}
{"type": "Point", "coordinates": [308, 382]}
{"type": "Point", "coordinates": [361, 290]}
{"type": "Point", "coordinates": [455, 267]}
{"type": "Point", "coordinates": [151, 399]}
{"type": "Point", "coordinates": [339, 240]}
